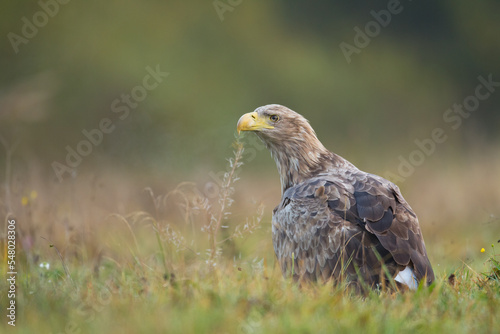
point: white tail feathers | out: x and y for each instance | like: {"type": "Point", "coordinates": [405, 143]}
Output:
{"type": "Point", "coordinates": [407, 277]}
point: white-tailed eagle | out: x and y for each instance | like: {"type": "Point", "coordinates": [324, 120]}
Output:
{"type": "Point", "coordinates": [335, 221]}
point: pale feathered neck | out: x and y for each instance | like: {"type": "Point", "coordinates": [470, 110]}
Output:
{"type": "Point", "coordinates": [301, 157]}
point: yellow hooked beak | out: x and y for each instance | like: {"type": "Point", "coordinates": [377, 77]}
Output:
{"type": "Point", "coordinates": [251, 122]}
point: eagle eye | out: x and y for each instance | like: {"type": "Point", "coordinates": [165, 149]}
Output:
{"type": "Point", "coordinates": [274, 118]}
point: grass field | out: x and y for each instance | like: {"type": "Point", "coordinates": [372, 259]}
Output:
{"type": "Point", "coordinates": [247, 299]}
{"type": "Point", "coordinates": [101, 254]}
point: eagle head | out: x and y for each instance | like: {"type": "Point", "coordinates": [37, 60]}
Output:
{"type": "Point", "coordinates": [292, 141]}
{"type": "Point", "coordinates": [272, 121]}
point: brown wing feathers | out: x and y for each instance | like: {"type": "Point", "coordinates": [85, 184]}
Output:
{"type": "Point", "coordinates": [367, 221]}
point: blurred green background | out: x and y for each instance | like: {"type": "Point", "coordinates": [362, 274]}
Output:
{"type": "Point", "coordinates": [64, 79]}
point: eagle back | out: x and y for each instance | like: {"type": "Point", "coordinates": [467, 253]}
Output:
{"type": "Point", "coordinates": [346, 224]}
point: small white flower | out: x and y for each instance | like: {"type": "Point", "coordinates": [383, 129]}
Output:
{"type": "Point", "coordinates": [45, 265]}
